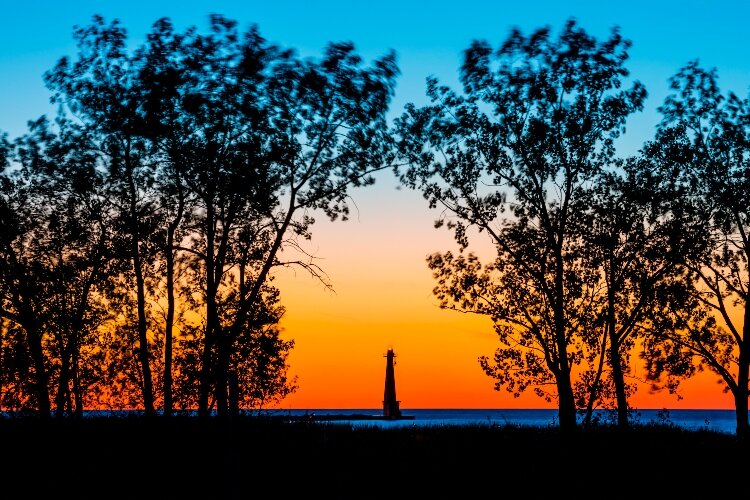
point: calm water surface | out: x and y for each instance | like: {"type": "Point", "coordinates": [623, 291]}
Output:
{"type": "Point", "coordinates": [715, 420]}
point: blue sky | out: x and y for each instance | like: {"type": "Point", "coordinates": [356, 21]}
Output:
{"type": "Point", "coordinates": [428, 37]}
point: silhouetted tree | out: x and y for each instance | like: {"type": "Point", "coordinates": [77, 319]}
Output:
{"type": "Point", "coordinates": [303, 132]}
{"type": "Point", "coordinates": [217, 149]}
{"type": "Point", "coordinates": [160, 78]}
{"type": "Point", "coordinates": [76, 247]}
{"type": "Point", "coordinates": [637, 234]}
{"type": "Point", "coordinates": [512, 158]}
{"type": "Point", "coordinates": [330, 116]}
{"type": "Point", "coordinates": [23, 286]}
{"type": "Point", "coordinates": [24, 377]}
{"type": "Point", "coordinates": [708, 138]}
{"type": "Point", "coordinates": [57, 262]}
{"type": "Point", "coordinates": [260, 139]}
{"type": "Point", "coordinates": [229, 151]}
{"type": "Point", "coordinates": [99, 88]}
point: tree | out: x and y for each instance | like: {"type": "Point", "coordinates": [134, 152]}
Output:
{"type": "Point", "coordinates": [76, 248]}
{"type": "Point", "coordinates": [305, 132]}
{"type": "Point", "coordinates": [331, 119]}
{"type": "Point", "coordinates": [159, 79]}
{"type": "Point", "coordinates": [24, 373]}
{"type": "Point", "coordinates": [99, 89]}
{"type": "Point", "coordinates": [637, 235]}
{"type": "Point", "coordinates": [219, 148]}
{"type": "Point", "coordinates": [260, 139]}
{"type": "Point", "coordinates": [57, 262]}
{"type": "Point", "coordinates": [708, 136]}
{"type": "Point", "coordinates": [512, 159]}
{"type": "Point", "coordinates": [24, 293]}
{"type": "Point", "coordinates": [226, 153]}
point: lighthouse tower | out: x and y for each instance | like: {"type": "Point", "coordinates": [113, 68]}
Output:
{"type": "Point", "coordinates": [390, 403]}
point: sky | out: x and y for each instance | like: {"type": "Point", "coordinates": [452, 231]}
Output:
{"type": "Point", "coordinates": [382, 289]}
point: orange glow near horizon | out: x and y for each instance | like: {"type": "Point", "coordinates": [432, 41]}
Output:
{"type": "Point", "coordinates": [383, 298]}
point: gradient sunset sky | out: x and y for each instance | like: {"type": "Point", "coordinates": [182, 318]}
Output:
{"type": "Point", "coordinates": [376, 261]}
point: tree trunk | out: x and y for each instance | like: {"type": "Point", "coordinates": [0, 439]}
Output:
{"type": "Point", "coordinates": [566, 410]}
{"type": "Point", "coordinates": [207, 368]}
{"type": "Point", "coordinates": [34, 340]}
{"type": "Point", "coordinates": [63, 383]}
{"type": "Point", "coordinates": [743, 366]}
{"type": "Point", "coordinates": [618, 377]}
{"type": "Point", "coordinates": [77, 390]}
{"type": "Point", "coordinates": [619, 381]}
{"type": "Point", "coordinates": [221, 376]}
{"type": "Point", "coordinates": [594, 389]}
{"type": "Point", "coordinates": [741, 409]}
{"type": "Point", "coordinates": [143, 349]}
{"type": "Point", "coordinates": [218, 338]}
{"type": "Point", "coordinates": [234, 394]}
{"type": "Point", "coordinates": [169, 324]}
{"type": "Point", "coordinates": [565, 397]}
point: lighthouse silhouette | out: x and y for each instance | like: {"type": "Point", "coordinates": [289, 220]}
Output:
{"type": "Point", "coordinates": [390, 403]}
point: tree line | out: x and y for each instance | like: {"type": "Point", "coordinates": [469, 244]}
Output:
{"type": "Point", "coordinates": [602, 259]}
{"type": "Point", "coordinates": [141, 227]}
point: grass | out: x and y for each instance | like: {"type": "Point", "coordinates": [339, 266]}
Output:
{"type": "Point", "coordinates": [181, 458]}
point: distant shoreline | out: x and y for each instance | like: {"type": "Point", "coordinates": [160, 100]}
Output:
{"type": "Point", "coordinates": [339, 416]}
{"type": "Point", "coordinates": [722, 420]}
{"type": "Point", "coordinates": [703, 419]}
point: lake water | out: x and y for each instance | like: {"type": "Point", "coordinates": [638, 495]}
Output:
{"type": "Point", "coordinates": [714, 420]}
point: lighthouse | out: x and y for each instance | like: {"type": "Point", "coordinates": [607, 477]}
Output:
{"type": "Point", "coordinates": [390, 403]}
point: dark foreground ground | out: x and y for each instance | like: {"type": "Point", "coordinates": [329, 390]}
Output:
{"type": "Point", "coordinates": [130, 458]}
